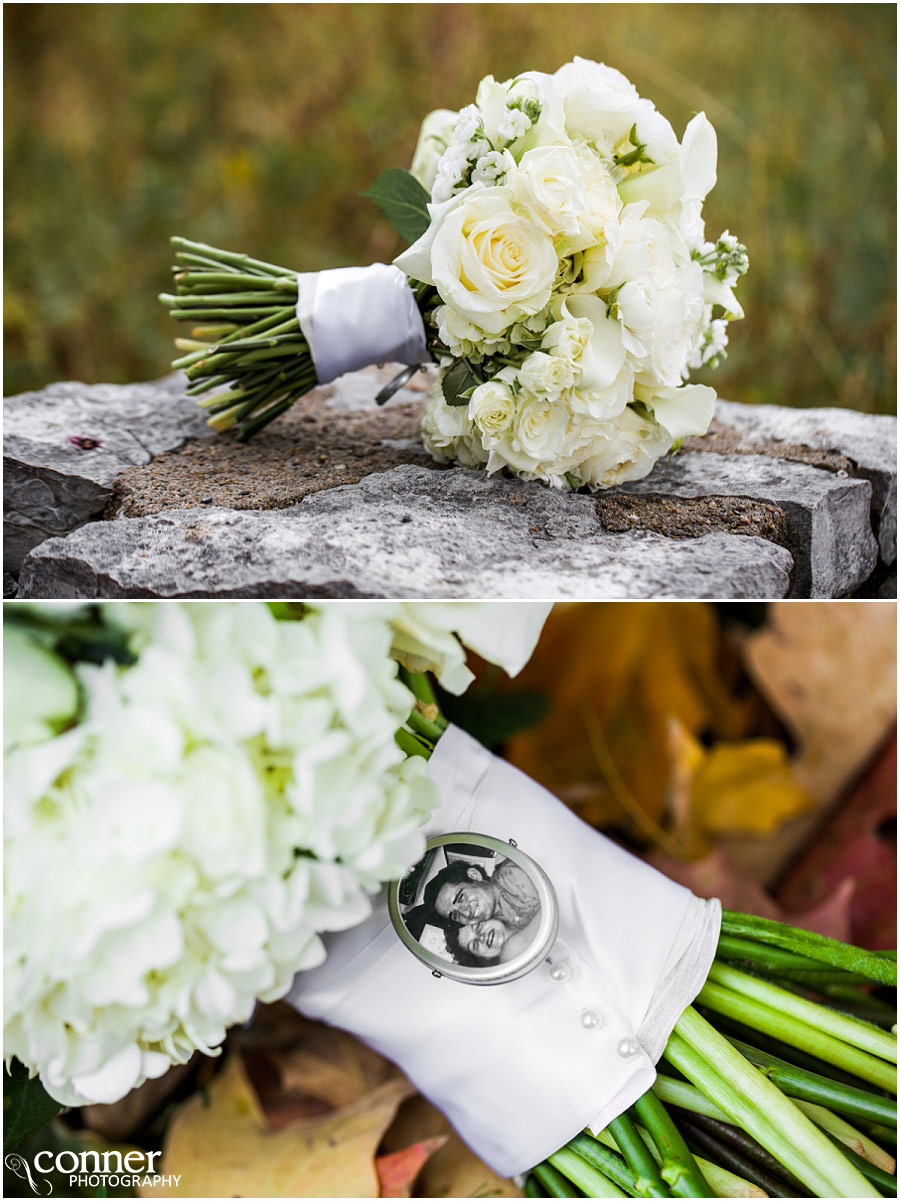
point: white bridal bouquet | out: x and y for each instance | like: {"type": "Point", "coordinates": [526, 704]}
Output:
{"type": "Point", "coordinates": [193, 793]}
{"type": "Point", "coordinates": [559, 274]}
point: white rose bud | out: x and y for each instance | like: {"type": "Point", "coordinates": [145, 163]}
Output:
{"type": "Point", "coordinates": [491, 407]}
{"type": "Point", "coordinates": [568, 338]}
{"type": "Point", "coordinates": [547, 373]}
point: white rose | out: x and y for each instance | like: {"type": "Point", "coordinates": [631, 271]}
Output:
{"type": "Point", "coordinates": [489, 263]}
{"type": "Point", "coordinates": [602, 105]}
{"type": "Point", "coordinates": [465, 340]}
{"type": "Point", "coordinates": [547, 373]}
{"type": "Point", "coordinates": [491, 407]}
{"type": "Point", "coordinates": [448, 433]}
{"type": "Point", "coordinates": [548, 182]}
{"type": "Point", "coordinates": [602, 203]}
{"type": "Point", "coordinates": [434, 138]}
{"type": "Point", "coordinates": [630, 452]}
{"type": "Point", "coordinates": [540, 428]}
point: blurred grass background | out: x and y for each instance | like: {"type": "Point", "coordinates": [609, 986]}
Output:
{"type": "Point", "coordinates": [255, 127]}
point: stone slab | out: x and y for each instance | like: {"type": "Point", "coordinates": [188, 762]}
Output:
{"type": "Point", "coordinates": [51, 484]}
{"type": "Point", "coordinates": [410, 531]}
{"type": "Point", "coordinates": [828, 526]}
{"type": "Point", "coordinates": [868, 440]}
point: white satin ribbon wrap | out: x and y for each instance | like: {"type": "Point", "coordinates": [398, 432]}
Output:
{"type": "Point", "coordinates": [355, 316]}
{"type": "Point", "coordinates": [512, 1066]}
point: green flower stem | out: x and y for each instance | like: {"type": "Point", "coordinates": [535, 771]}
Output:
{"type": "Point", "coordinates": [735, 1031]}
{"type": "Point", "coordinates": [790, 1030]}
{"type": "Point", "coordinates": [647, 1179]}
{"type": "Point", "coordinates": [422, 725]}
{"type": "Point", "coordinates": [808, 1086]}
{"type": "Point", "coordinates": [722, 1182]}
{"type": "Point", "coordinates": [871, 964]}
{"type": "Point", "coordinates": [885, 1182]}
{"type": "Point", "coordinates": [204, 385]}
{"type": "Point", "coordinates": [834, 1125]}
{"type": "Point", "coordinates": [751, 1152]}
{"type": "Point", "coordinates": [753, 1102]}
{"type": "Point", "coordinates": [850, 1030]}
{"type": "Point", "coordinates": [686, 1096]}
{"type": "Point", "coordinates": [262, 343]}
{"type": "Point", "coordinates": [678, 1167]}
{"type": "Point", "coordinates": [532, 1187]}
{"type": "Point", "coordinates": [269, 414]}
{"type": "Point", "coordinates": [242, 261]}
{"type": "Point", "coordinates": [411, 745]}
{"type": "Point", "coordinates": [769, 1183]}
{"type": "Point", "coordinates": [605, 1160]}
{"type": "Point", "coordinates": [419, 684]}
{"type": "Point", "coordinates": [265, 325]}
{"type": "Point", "coordinates": [206, 300]}
{"type": "Point", "coordinates": [229, 314]}
{"type": "Point", "coordinates": [553, 1182]}
{"type": "Point", "coordinates": [770, 958]}
{"type": "Point", "coordinates": [234, 279]}
{"type": "Point", "coordinates": [591, 1181]}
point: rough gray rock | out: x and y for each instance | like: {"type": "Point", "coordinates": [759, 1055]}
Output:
{"type": "Point", "coordinates": [800, 481]}
{"type": "Point", "coordinates": [829, 530]}
{"type": "Point", "coordinates": [869, 440]}
{"type": "Point", "coordinates": [411, 532]}
{"type": "Point", "coordinates": [51, 485]}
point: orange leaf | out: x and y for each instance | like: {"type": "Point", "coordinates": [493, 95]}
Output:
{"type": "Point", "coordinates": [397, 1172]}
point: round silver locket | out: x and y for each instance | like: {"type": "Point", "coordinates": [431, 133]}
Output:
{"type": "Point", "coordinates": [475, 909]}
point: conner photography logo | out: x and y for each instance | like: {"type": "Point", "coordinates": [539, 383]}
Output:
{"type": "Point", "coordinates": [91, 1169]}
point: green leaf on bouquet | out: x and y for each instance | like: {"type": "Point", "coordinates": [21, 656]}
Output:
{"type": "Point", "coordinates": [403, 201]}
{"type": "Point", "coordinates": [459, 383]}
{"type": "Point", "coordinates": [26, 1106]}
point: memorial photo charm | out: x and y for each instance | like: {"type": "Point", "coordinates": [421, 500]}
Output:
{"type": "Point", "coordinates": [475, 909]}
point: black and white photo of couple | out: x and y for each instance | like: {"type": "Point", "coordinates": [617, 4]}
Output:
{"type": "Point", "coordinates": [471, 906]}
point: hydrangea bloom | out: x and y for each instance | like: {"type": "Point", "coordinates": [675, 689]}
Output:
{"type": "Point", "coordinates": [576, 291]}
{"type": "Point", "coordinates": [174, 849]}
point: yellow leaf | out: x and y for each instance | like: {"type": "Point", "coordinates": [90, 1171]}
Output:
{"type": "Point", "coordinates": [221, 1145]}
{"type": "Point", "coordinates": [746, 787]}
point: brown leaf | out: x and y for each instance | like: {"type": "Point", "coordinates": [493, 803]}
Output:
{"type": "Point", "coordinates": [221, 1145]}
{"type": "Point", "coordinates": [314, 1071]}
{"type": "Point", "coordinates": [617, 675]}
{"type": "Point", "coordinates": [829, 671]}
{"type": "Point", "coordinates": [397, 1171]}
